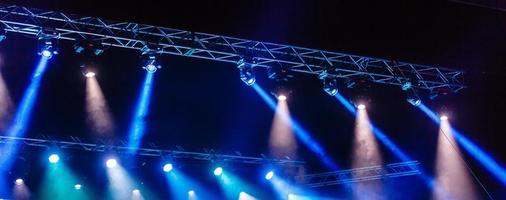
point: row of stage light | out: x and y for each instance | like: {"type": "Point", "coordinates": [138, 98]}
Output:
{"type": "Point", "coordinates": [48, 48]}
{"type": "Point", "coordinates": [111, 164]}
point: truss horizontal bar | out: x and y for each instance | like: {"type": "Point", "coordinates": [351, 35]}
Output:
{"type": "Point", "coordinates": [30, 21]}
{"type": "Point", "coordinates": [210, 155]}
{"type": "Point", "coordinates": [401, 169]}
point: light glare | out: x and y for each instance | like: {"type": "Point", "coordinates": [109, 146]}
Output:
{"type": "Point", "coordinates": [443, 118]}
{"type": "Point", "coordinates": [282, 97]}
{"type": "Point", "coordinates": [167, 167]}
{"type": "Point", "coordinates": [54, 158]}
{"type": "Point", "coordinates": [77, 186]}
{"type": "Point", "coordinates": [19, 181]}
{"type": "Point", "coordinates": [90, 74]}
{"type": "Point", "coordinates": [361, 106]}
{"type": "Point", "coordinates": [111, 163]}
{"type": "Point", "coordinates": [218, 171]}
{"type": "Point", "coordinates": [269, 175]}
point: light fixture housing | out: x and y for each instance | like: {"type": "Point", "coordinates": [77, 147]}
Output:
{"type": "Point", "coordinates": [329, 83]}
{"type": "Point", "coordinates": [246, 72]}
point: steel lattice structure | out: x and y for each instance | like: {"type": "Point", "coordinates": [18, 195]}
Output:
{"type": "Point", "coordinates": [409, 168]}
{"type": "Point", "coordinates": [30, 21]}
{"type": "Point", "coordinates": [209, 155]}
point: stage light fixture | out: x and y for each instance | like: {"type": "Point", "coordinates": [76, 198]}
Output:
{"type": "Point", "coordinates": [167, 167]}
{"type": "Point", "coordinates": [246, 72]}
{"type": "Point", "coordinates": [191, 192]}
{"type": "Point", "coordinates": [78, 186]}
{"type": "Point", "coordinates": [282, 97]}
{"type": "Point", "coordinates": [412, 97]}
{"type": "Point", "coordinates": [136, 191]}
{"type": "Point", "coordinates": [329, 84]}
{"type": "Point", "coordinates": [89, 74]}
{"type": "Point", "coordinates": [48, 43]}
{"type": "Point", "coordinates": [19, 181]}
{"type": "Point", "coordinates": [111, 163]}
{"type": "Point", "coordinates": [151, 65]}
{"type": "Point", "coordinates": [218, 171]}
{"type": "Point", "coordinates": [361, 106]}
{"type": "Point", "coordinates": [89, 46]}
{"type": "Point", "coordinates": [443, 117]}
{"type": "Point", "coordinates": [269, 175]}
{"type": "Point", "coordinates": [54, 158]}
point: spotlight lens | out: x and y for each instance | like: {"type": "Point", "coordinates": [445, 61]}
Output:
{"type": "Point", "coordinates": [269, 175]}
{"type": "Point", "coordinates": [46, 53]}
{"type": "Point", "coordinates": [19, 181]}
{"type": "Point", "coordinates": [54, 158]}
{"type": "Point", "coordinates": [151, 68]}
{"type": "Point", "coordinates": [89, 74]}
{"type": "Point", "coordinates": [218, 171]}
{"type": "Point", "coordinates": [282, 97]}
{"type": "Point", "coordinates": [136, 191]}
{"type": "Point", "coordinates": [443, 118]}
{"type": "Point", "coordinates": [111, 163]}
{"type": "Point", "coordinates": [361, 106]}
{"type": "Point", "coordinates": [167, 167]}
{"type": "Point", "coordinates": [191, 192]}
{"type": "Point", "coordinates": [77, 186]}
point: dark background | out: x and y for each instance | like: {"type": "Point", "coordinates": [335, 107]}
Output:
{"type": "Point", "coordinates": [203, 104]}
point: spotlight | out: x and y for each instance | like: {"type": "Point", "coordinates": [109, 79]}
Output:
{"type": "Point", "coordinates": [414, 100]}
{"type": "Point", "coordinates": [111, 163]}
{"type": "Point", "coordinates": [78, 186]}
{"type": "Point", "coordinates": [167, 167]}
{"type": "Point", "coordinates": [246, 72]}
{"type": "Point", "coordinates": [361, 106]}
{"type": "Point", "coordinates": [443, 117]}
{"type": "Point", "coordinates": [191, 192]}
{"type": "Point", "coordinates": [19, 181]}
{"type": "Point", "coordinates": [282, 97]}
{"type": "Point", "coordinates": [136, 191]}
{"type": "Point", "coordinates": [54, 158]}
{"type": "Point", "coordinates": [89, 74]}
{"type": "Point", "coordinates": [150, 63]}
{"type": "Point", "coordinates": [218, 171]}
{"type": "Point", "coordinates": [47, 47]}
{"type": "Point", "coordinates": [329, 84]}
{"type": "Point", "coordinates": [269, 175]}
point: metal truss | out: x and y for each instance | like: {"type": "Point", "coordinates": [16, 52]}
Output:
{"type": "Point", "coordinates": [361, 174]}
{"type": "Point", "coordinates": [129, 35]}
{"type": "Point", "coordinates": [209, 155]}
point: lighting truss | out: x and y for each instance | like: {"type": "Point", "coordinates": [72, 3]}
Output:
{"type": "Point", "coordinates": [401, 169]}
{"type": "Point", "coordinates": [129, 35]}
{"type": "Point", "coordinates": [209, 155]}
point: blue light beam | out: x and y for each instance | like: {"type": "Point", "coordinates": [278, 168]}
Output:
{"type": "Point", "coordinates": [138, 124]}
{"type": "Point", "coordinates": [23, 114]}
{"type": "Point", "coordinates": [303, 135]}
{"type": "Point", "coordinates": [485, 159]}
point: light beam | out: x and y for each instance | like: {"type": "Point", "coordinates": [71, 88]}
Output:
{"type": "Point", "coordinates": [303, 135]}
{"type": "Point", "coordinates": [451, 172]}
{"type": "Point", "coordinates": [138, 124]}
{"type": "Point", "coordinates": [98, 114]}
{"type": "Point", "coordinates": [485, 159]}
{"type": "Point", "coordinates": [22, 116]}
{"type": "Point", "coordinates": [366, 153]}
